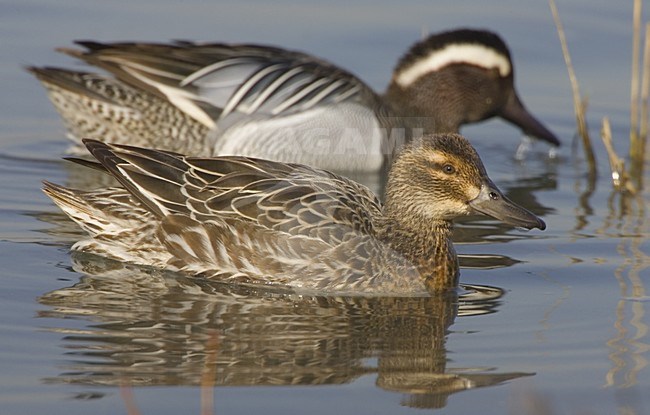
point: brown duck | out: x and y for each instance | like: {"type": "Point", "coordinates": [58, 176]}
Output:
{"type": "Point", "coordinates": [254, 221]}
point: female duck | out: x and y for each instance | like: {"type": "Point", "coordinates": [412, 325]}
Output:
{"type": "Point", "coordinates": [216, 99]}
{"type": "Point", "coordinates": [255, 221]}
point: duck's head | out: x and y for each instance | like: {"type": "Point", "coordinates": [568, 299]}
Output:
{"type": "Point", "coordinates": [459, 77]}
{"type": "Point", "coordinates": [440, 177]}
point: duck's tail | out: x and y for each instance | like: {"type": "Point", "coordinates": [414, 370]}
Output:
{"type": "Point", "coordinates": [90, 105]}
{"type": "Point", "coordinates": [93, 105]}
{"type": "Point", "coordinates": [119, 228]}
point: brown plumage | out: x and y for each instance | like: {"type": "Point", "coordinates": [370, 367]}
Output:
{"type": "Point", "coordinates": [261, 222]}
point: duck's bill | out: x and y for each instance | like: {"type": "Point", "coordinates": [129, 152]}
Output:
{"type": "Point", "coordinates": [516, 113]}
{"type": "Point", "coordinates": [491, 202]}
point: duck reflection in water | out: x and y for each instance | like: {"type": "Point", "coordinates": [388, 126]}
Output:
{"type": "Point", "coordinates": [148, 327]}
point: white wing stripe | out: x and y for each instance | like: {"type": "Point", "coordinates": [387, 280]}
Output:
{"type": "Point", "coordinates": [300, 95]}
{"type": "Point", "coordinates": [212, 68]}
{"type": "Point", "coordinates": [135, 68]}
{"type": "Point", "coordinates": [236, 98]}
{"type": "Point", "coordinates": [324, 93]}
{"type": "Point", "coordinates": [271, 88]}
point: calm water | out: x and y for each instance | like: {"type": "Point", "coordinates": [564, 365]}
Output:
{"type": "Point", "coordinates": [563, 330]}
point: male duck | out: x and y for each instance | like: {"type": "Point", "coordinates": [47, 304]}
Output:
{"type": "Point", "coordinates": [217, 99]}
{"type": "Point", "coordinates": [256, 221]}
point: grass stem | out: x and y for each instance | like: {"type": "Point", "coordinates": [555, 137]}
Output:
{"type": "Point", "coordinates": [620, 178]}
{"type": "Point", "coordinates": [579, 105]}
{"type": "Point", "coordinates": [639, 131]}
{"type": "Point", "coordinates": [634, 87]}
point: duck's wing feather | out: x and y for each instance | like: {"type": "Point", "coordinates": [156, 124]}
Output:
{"type": "Point", "coordinates": [291, 198]}
{"type": "Point", "coordinates": [217, 82]}
{"type": "Point", "coordinates": [236, 250]}
{"type": "Point", "coordinates": [245, 252]}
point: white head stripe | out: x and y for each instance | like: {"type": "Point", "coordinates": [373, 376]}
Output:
{"type": "Point", "coordinates": [437, 157]}
{"type": "Point", "coordinates": [472, 54]}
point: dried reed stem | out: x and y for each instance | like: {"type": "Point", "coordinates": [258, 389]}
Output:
{"type": "Point", "coordinates": [126, 391]}
{"type": "Point", "coordinates": [620, 177]}
{"type": "Point", "coordinates": [634, 87]}
{"type": "Point", "coordinates": [579, 105]}
{"type": "Point", "coordinates": [645, 87]}
{"type": "Point", "coordinates": [208, 377]}
{"type": "Point", "coordinates": [639, 122]}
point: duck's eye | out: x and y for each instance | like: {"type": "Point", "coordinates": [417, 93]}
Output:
{"type": "Point", "coordinates": [449, 169]}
